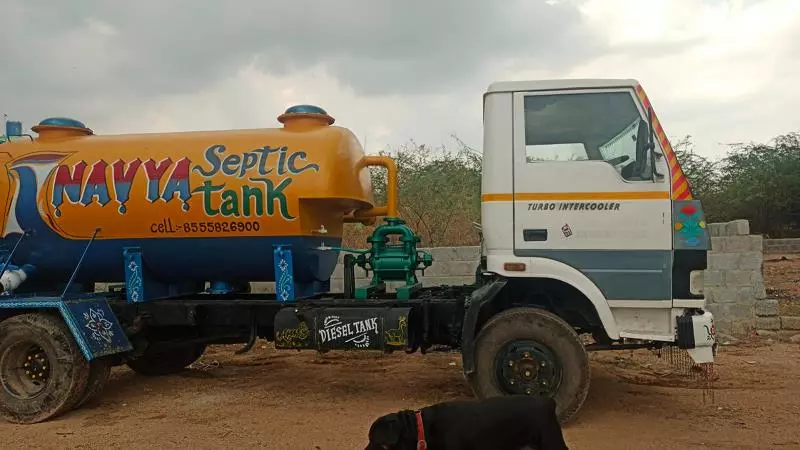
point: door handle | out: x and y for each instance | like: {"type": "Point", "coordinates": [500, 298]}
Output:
{"type": "Point", "coordinates": [534, 234]}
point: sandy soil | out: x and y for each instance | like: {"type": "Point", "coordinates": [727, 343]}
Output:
{"type": "Point", "coordinates": [782, 277]}
{"type": "Point", "coordinates": [288, 400]}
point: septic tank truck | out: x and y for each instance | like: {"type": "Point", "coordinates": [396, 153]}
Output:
{"type": "Point", "coordinates": [588, 227]}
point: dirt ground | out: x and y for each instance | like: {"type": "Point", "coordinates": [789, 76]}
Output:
{"type": "Point", "coordinates": [288, 400]}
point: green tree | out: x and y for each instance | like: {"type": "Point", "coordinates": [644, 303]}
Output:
{"type": "Point", "coordinates": [761, 183]}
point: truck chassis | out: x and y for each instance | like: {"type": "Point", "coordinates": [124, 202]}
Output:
{"type": "Point", "coordinates": [507, 347]}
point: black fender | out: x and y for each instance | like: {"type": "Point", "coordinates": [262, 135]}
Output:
{"type": "Point", "coordinates": [478, 301]}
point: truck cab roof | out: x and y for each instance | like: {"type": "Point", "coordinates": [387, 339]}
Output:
{"type": "Point", "coordinates": [575, 83]}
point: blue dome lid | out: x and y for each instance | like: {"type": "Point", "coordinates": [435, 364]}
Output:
{"type": "Point", "coordinates": [305, 109]}
{"type": "Point", "coordinates": [62, 122]}
{"type": "Point", "coordinates": [299, 111]}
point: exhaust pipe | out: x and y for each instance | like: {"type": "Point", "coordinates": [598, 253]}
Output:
{"type": "Point", "coordinates": [14, 276]}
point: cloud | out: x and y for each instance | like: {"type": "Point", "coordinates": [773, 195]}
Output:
{"type": "Point", "coordinates": [720, 70]}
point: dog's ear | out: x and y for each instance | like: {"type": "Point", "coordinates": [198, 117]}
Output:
{"type": "Point", "coordinates": [386, 430]}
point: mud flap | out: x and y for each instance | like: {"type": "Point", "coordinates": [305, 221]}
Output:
{"type": "Point", "coordinates": [479, 298]}
{"type": "Point", "coordinates": [90, 319]}
{"type": "Point", "coordinates": [697, 335]}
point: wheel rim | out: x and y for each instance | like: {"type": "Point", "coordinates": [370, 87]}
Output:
{"type": "Point", "coordinates": [25, 369]}
{"type": "Point", "coordinates": [528, 368]}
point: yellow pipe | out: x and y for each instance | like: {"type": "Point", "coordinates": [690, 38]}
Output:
{"type": "Point", "coordinates": [391, 190]}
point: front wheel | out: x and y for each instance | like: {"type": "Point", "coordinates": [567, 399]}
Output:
{"type": "Point", "coordinates": [160, 360]}
{"type": "Point", "coordinates": [42, 371]}
{"type": "Point", "coordinates": [530, 351]}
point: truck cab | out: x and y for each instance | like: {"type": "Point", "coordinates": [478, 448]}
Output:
{"type": "Point", "coordinates": [583, 197]}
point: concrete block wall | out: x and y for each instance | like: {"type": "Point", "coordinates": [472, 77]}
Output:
{"type": "Point", "coordinates": [782, 245]}
{"type": "Point", "coordinates": [734, 281]}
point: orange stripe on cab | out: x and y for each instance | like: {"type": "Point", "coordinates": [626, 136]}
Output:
{"type": "Point", "coordinates": [680, 187]}
{"type": "Point", "coordinates": [532, 196]}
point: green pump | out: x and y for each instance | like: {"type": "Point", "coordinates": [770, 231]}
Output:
{"type": "Point", "coordinates": [392, 262]}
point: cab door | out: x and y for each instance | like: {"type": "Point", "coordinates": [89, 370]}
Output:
{"type": "Point", "coordinates": [586, 194]}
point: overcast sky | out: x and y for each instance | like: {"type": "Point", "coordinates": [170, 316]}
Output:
{"type": "Point", "coordinates": [720, 70]}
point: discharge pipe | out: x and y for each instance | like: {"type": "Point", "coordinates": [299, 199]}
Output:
{"type": "Point", "coordinates": [14, 276]}
{"type": "Point", "coordinates": [390, 209]}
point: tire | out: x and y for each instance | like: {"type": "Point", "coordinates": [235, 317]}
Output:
{"type": "Point", "coordinates": [165, 361]}
{"type": "Point", "coordinates": [42, 343]}
{"type": "Point", "coordinates": [547, 339]}
{"type": "Point", "coordinates": [99, 371]}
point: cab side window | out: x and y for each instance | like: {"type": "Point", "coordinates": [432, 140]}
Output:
{"type": "Point", "coordinates": [587, 126]}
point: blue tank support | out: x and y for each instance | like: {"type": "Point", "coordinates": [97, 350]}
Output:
{"type": "Point", "coordinates": [141, 286]}
{"type": "Point", "coordinates": [284, 273]}
{"type": "Point", "coordinates": [134, 286]}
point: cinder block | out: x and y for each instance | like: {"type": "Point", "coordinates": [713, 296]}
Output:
{"type": "Point", "coordinates": [732, 311]}
{"type": "Point", "coordinates": [736, 278]}
{"type": "Point", "coordinates": [790, 323]}
{"type": "Point", "coordinates": [719, 244]}
{"type": "Point", "coordinates": [751, 261]}
{"type": "Point", "coordinates": [451, 269]}
{"type": "Point", "coordinates": [716, 229]}
{"type": "Point", "coordinates": [737, 244]}
{"type": "Point", "coordinates": [767, 323]}
{"type": "Point", "coordinates": [713, 278]}
{"type": "Point", "coordinates": [759, 290]}
{"type": "Point", "coordinates": [739, 227]}
{"type": "Point", "coordinates": [766, 308]}
{"type": "Point", "coordinates": [443, 254]}
{"type": "Point", "coordinates": [747, 295]}
{"type": "Point", "coordinates": [723, 261]}
{"type": "Point", "coordinates": [471, 254]}
{"type": "Point", "coordinates": [741, 244]}
{"type": "Point", "coordinates": [730, 294]}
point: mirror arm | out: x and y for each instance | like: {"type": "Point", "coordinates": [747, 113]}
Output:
{"type": "Point", "coordinates": [651, 146]}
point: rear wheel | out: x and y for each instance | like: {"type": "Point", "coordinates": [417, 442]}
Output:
{"type": "Point", "coordinates": [99, 371]}
{"type": "Point", "coordinates": [529, 351]}
{"type": "Point", "coordinates": [42, 371]}
{"type": "Point", "coordinates": [163, 360]}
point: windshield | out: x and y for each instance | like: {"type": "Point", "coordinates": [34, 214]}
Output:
{"type": "Point", "coordinates": [581, 126]}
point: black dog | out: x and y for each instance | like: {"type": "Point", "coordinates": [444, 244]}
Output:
{"type": "Point", "coordinates": [511, 422]}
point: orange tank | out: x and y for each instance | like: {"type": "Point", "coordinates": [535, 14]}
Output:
{"type": "Point", "coordinates": [202, 206]}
